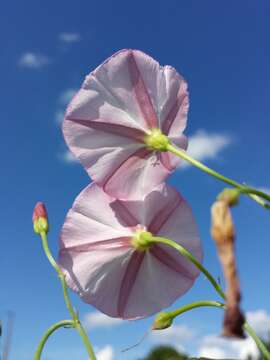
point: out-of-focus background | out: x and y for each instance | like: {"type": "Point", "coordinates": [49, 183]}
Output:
{"type": "Point", "coordinates": [222, 48]}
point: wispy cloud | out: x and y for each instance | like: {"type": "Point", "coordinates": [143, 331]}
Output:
{"type": "Point", "coordinates": [33, 60]}
{"type": "Point", "coordinates": [220, 348]}
{"type": "Point", "coordinates": [67, 95]}
{"type": "Point", "coordinates": [67, 157]}
{"type": "Point", "coordinates": [59, 116]}
{"type": "Point", "coordinates": [106, 353]}
{"type": "Point", "coordinates": [100, 320]}
{"type": "Point", "coordinates": [63, 100]}
{"type": "Point", "coordinates": [260, 321]}
{"type": "Point", "coordinates": [204, 145]}
{"type": "Point", "coordinates": [174, 334]}
{"type": "Point", "coordinates": [213, 346]}
{"type": "Point", "coordinates": [69, 37]}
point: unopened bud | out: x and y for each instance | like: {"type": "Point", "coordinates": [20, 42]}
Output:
{"type": "Point", "coordinates": [229, 196]}
{"type": "Point", "coordinates": [223, 233]}
{"type": "Point", "coordinates": [222, 224]}
{"type": "Point", "coordinates": [162, 321]}
{"type": "Point", "coordinates": [40, 218]}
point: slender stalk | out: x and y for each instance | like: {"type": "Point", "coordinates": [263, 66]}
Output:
{"type": "Point", "coordinates": [184, 252]}
{"type": "Point", "coordinates": [48, 333]}
{"type": "Point", "coordinates": [59, 273]}
{"type": "Point", "coordinates": [257, 340]}
{"type": "Point", "coordinates": [191, 258]}
{"type": "Point", "coordinates": [217, 304]}
{"type": "Point", "coordinates": [255, 194]}
{"type": "Point", "coordinates": [196, 304]}
{"type": "Point", "coordinates": [75, 320]}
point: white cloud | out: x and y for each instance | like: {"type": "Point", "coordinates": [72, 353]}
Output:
{"type": "Point", "coordinates": [106, 353]}
{"type": "Point", "coordinates": [33, 60]}
{"type": "Point", "coordinates": [64, 99]}
{"type": "Point", "coordinates": [174, 333]}
{"type": "Point", "coordinates": [220, 348]}
{"type": "Point", "coordinates": [204, 145]}
{"type": "Point", "coordinates": [67, 157]}
{"type": "Point", "coordinates": [100, 320]}
{"type": "Point", "coordinates": [212, 352]}
{"type": "Point", "coordinates": [59, 116]}
{"type": "Point", "coordinates": [69, 37]}
{"type": "Point", "coordinates": [66, 96]}
{"type": "Point", "coordinates": [260, 321]}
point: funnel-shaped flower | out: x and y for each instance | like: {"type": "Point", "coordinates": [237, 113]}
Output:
{"type": "Point", "coordinates": [103, 266]}
{"type": "Point", "coordinates": [115, 123]}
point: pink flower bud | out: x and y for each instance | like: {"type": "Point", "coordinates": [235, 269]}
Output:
{"type": "Point", "coordinates": [40, 218]}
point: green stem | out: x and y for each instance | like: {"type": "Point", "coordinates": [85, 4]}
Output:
{"type": "Point", "coordinates": [257, 340]}
{"type": "Point", "coordinates": [48, 333]}
{"type": "Point", "coordinates": [251, 192]}
{"type": "Point", "coordinates": [194, 305]}
{"type": "Point", "coordinates": [59, 273]}
{"type": "Point", "coordinates": [76, 322]}
{"type": "Point", "coordinates": [191, 258]}
{"type": "Point", "coordinates": [184, 252]}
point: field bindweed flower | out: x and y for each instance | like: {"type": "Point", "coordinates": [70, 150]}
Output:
{"type": "Point", "coordinates": [104, 261]}
{"type": "Point", "coordinates": [121, 120]}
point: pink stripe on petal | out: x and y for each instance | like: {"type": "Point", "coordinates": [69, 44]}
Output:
{"type": "Point", "coordinates": [164, 158]}
{"type": "Point", "coordinates": [111, 128]}
{"type": "Point", "coordinates": [124, 214]}
{"type": "Point", "coordinates": [128, 280]}
{"type": "Point", "coordinates": [122, 242]}
{"type": "Point", "coordinates": [166, 259]}
{"type": "Point", "coordinates": [163, 215]}
{"type": "Point", "coordinates": [167, 124]}
{"type": "Point", "coordinates": [126, 164]}
{"type": "Point", "coordinates": [141, 93]}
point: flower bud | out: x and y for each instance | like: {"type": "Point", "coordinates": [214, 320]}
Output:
{"type": "Point", "coordinates": [223, 232]}
{"type": "Point", "coordinates": [229, 196]}
{"type": "Point", "coordinates": [162, 321]}
{"type": "Point", "coordinates": [40, 218]}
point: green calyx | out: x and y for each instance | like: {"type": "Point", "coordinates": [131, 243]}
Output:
{"type": "Point", "coordinates": [41, 225]}
{"type": "Point", "coordinates": [156, 140]}
{"type": "Point", "coordinates": [142, 240]}
{"type": "Point", "coordinates": [162, 321]}
{"type": "Point", "coordinates": [230, 196]}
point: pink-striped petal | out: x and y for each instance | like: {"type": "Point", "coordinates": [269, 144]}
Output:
{"type": "Point", "coordinates": [169, 160]}
{"type": "Point", "coordinates": [173, 114]}
{"type": "Point", "coordinates": [117, 106]}
{"type": "Point", "coordinates": [100, 264]}
{"type": "Point", "coordinates": [136, 176]}
{"type": "Point", "coordinates": [94, 217]}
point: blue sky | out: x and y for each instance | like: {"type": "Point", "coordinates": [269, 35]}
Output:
{"type": "Point", "coordinates": [222, 49]}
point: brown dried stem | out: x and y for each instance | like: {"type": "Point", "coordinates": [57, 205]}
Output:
{"type": "Point", "coordinates": [223, 233]}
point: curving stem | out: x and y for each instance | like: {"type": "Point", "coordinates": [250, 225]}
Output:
{"type": "Point", "coordinates": [254, 194]}
{"type": "Point", "coordinates": [184, 252]}
{"type": "Point", "coordinates": [75, 322]}
{"type": "Point", "coordinates": [48, 333]}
